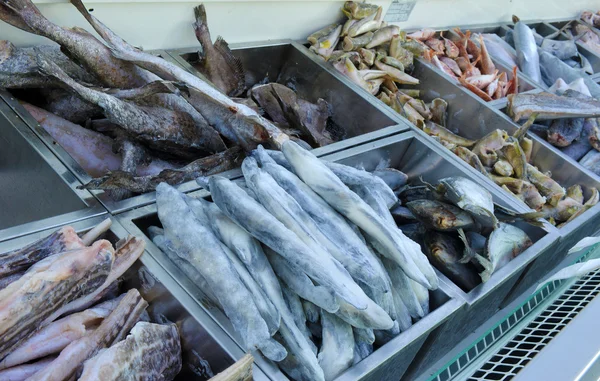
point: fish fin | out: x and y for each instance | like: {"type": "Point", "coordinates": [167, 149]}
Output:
{"type": "Point", "coordinates": [487, 266]}
{"type": "Point", "coordinates": [11, 16]}
{"type": "Point", "coordinates": [468, 253]}
{"type": "Point", "coordinates": [234, 63]}
{"type": "Point", "coordinates": [200, 13]}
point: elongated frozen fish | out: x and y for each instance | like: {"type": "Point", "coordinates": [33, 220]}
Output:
{"type": "Point", "coordinates": [550, 106]}
{"type": "Point", "coordinates": [394, 244]}
{"type": "Point", "coordinates": [337, 349]}
{"type": "Point", "coordinates": [527, 54]}
{"type": "Point", "coordinates": [198, 245]}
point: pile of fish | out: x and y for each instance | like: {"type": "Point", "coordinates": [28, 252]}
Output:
{"type": "Point", "coordinates": [61, 317]}
{"type": "Point", "coordinates": [471, 64]}
{"type": "Point", "coordinates": [543, 59]}
{"type": "Point", "coordinates": [588, 36]}
{"type": "Point", "coordinates": [570, 122]}
{"type": "Point", "coordinates": [375, 56]}
{"type": "Point", "coordinates": [303, 257]}
{"type": "Point", "coordinates": [455, 223]}
{"type": "Point", "coordinates": [115, 111]}
{"type": "Point", "coordinates": [591, 18]}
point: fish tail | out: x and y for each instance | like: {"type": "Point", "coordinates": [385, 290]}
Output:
{"type": "Point", "coordinates": [234, 63]}
{"type": "Point", "coordinates": [515, 19]}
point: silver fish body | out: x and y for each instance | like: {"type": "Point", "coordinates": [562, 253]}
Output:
{"type": "Point", "coordinates": [527, 54]}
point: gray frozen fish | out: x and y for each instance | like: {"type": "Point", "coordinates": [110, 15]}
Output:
{"type": "Point", "coordinates": [591, 161]}
{"type": "Point", "coordinates": [266, 308]}
{"type": "Point", "coordinates": [363, 344]}
{"type": "Point", "coordinates": [311, 311]}
{"type": "Point", "coordinates": [582, 145]}
{"type": "Point", "coordinates": [471, 197]}
{"type": "Point", "coordinates": [203, 250]}
{"type": "Point", "coordinates": [505, 243]}
{"type": "Point", "coordinates": [527, 51]}
{"type": "Point", "coordinates": [371, 318]}
{"type": "Point", "coordinates": [285, 208]}
{"type": "Point", "coordinates": [325, 183]}
{"type": "Point", "coordinates": [553, 68]}
{"type": "Point", "coordinates": [301, 284]}
{"type": "Point", "coordinates": [404, 289]}
{"type": "Point", "coordinates": [392, 177]}
{"type": "Point", "coordinates": [337, 348]}
{"type": "Point", "coordinates": [403, 316]}
{"type": "Point", "coordinates": [562, 49]}
{"type": "Point", "coordinates": [256, 220]}
{"type": "Point", "coordinates": [169, 247]}
{"type": "Point", "coordinates": [352, 253]}
{"type": "Point", "coordinates": [500, 49]}
{"type": "Point", "coordinates": [301, 363]}
{"type": "Point", "coordinates": [295, 306]}
{"type": "Point", "coordinates": [422, 295]}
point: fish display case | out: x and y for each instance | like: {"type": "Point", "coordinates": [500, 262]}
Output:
{"type": "Point", "coordinates": [420, 158]}
{"type": "Point", "coordinates": [388, 361]}
{"type": "Point", "coordinates": [355, 119]}
{"type": "Point", "coordinates": [37, 191]}
{"type": "Point", "coordinates": [203, 354]}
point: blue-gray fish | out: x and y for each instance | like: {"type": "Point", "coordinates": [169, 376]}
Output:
{"type": "Point", "coordinates": [337, 348]}
{"type": "Point", "coordinates": [504, 244]}
{"type": "Point", "coordinates": [562, 49]}
{"type": "Point", "coordinates": [527, 51]}
{"type": "Point", "coordinates": [256, 220]}
{"type": "Point", "coordinates": [553, 68]}
{"type": "Point", "coordinates": [396, 246]}
{"type": "Point", "coordinates": [471, 197]}
{"type": "Point", "coordinates": [201, 248]}
{"type": "Point", "coordinates": [294, 305]}
{"type": "Point", "coordinates": [285, 208]}
{"type": "Point", "coordinates": [404, 289]}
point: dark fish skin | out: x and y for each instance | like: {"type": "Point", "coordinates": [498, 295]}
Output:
{"type": "Point", "coordinates": [18, 67]}
{"type": "Point", "coordinates": [81, 45]}
{"type": "Point", "coordinates": [69, 106]}
{"type": "Point", "coordinates": [218, 63]}
{"type": "Point", "coordinates": [264, 96]}
{"type": "Point", "coordinates": [444, 252]}
{"type": "Point", "coordinates": [160, 128]}
{"type": "Point", "coordinates": [209, 165]}
{"type": "Point", "coordinates": [563, 132]}
{"type": "Point", "coordinates": [21, 259]}
{"type": "Point", "coordinates": [132, 155]}
{"type": "Point", "coordinates": [440, 216]}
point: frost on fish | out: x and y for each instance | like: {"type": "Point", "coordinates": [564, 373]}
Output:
{"type": "Point", "coordinates": [340, 239]}
{"type": "Point", "coordinates": [151, 352]}
{"type": "Point", "coordinates": [301, 284]}
{"type": "Point", "coordinates": [363, 344]}
{"type": "Point", "coordinates": [295, 306]}
{"type": "Point", "coordinates": [311, 311]}
{"type": "Point", "coordinates": [204, 251]}
{"type": "Point", "coordinates": [403, 287]}
{"type": "Point", "coordinates": [337, 348]}
{"type": "Point", "coordinates": [505, 243]}
{"type": "Point", "coordinates": [325, 183]}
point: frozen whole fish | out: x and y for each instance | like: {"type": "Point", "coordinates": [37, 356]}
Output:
{"type": "Point", "coordinates": [235, 121]}
{"type": "Point", "coordinates": [527, 53]}
{"type": "Point", "coordinates": [337, 348]}
{"type": "Point", "coordinates": [349, 250]}
{"type": "Point", "coordinates": [470, 197]}
{"type": "Point", "coordinates": [218, 63]}
{"type": "Point", "coordinates": [440, 216]}
{"type": "Point", "coordinates": [504, 244]}
{"type": "Point", "coordinates": [48, 285]}
{"type": "Point", "coordinates": [445, 252]}
{"type": "Point", "coordinates": [392, 177]}
{"type": "Point", "coordinates": [404, 289]}
{"type": "Point", "coordinates": [553, 68]}
{"type": "Point", "coordinates": [311, 311]}
{"type": "Point", "coordinates": [562, 132]}
{"type": "Point", "coordinates": [256, 220]}
{"type": "Point", "coordinates": [265, 306]}
{"type": "Point", "coordinates": [393, 243]}
{"type": "Point", "coordinates": [362, 347]}
{"type": "Point", "coordinates": [544, 183]}
{"type": "Point", "coordinates": [562, 49]}
{"type": "Point", "coordinates": [500, 49]}
{"type": "Point", "coordinates": [198, 245]}
{"type": "Point", "coordinates": [123, 317]}
{"type": "Point", "coordinates": [58, 334]}
{"type": "Point", "coordinates": [146, 344]}
{"type": "Point", "coordinates": [550, 106]}
{"type": "Point", "coordinates": [19, 260]}
{"type": "Point", "coordinates": [294, 304]}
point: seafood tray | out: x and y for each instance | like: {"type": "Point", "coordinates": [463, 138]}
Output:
{"type": "Point", "coordinates": [388, 362]}
{"type": "Point", "coordinates": [562, 23]}
{"type": "Point", "coordinates": [281, 62]}
{"type": "Point", "coordinates": [37, 191]}
{"type": "Point", "coordinates": [165, 297]}
{"type": "Point", "coordinates": [417, 158]}
{"type": "Point", "coordinates": [525, 84]}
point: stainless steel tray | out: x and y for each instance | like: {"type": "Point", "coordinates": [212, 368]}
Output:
{"type": "Point", "coordinates": [168, 299]}
{"type": "Point", "coordinates": [418, 157]}
{"type": "Point", "coordinates": [36, 191]}
{"type": "Point", "coordinates": [388, 362]}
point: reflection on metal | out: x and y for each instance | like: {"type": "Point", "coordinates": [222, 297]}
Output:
{"type": "Point", "coordinates": [507, 348]}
